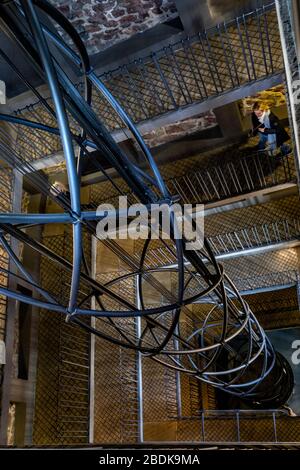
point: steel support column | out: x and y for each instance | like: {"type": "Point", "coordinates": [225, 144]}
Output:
{"type": "Point", "coordinates": [139, 366]}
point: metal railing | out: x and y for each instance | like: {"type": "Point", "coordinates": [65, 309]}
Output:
{"type": "Point", "coordinates": [192, 69]}
{"type": "Point", "coordinates": [240, 175]}
{"type": "Point", "coordinates": [233, 177]}
{"type": "Point", "coordinates": [258, 235]}
{"type": "Point", "coordinates": [239, 426]}
{"type": "Point", "coordinates": [185, 72]}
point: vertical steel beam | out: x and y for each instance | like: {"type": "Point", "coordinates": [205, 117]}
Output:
{"type": "Point", "coordinates": [178, 381]}
{"type": "Point", "coordinates": [139, 366]}
{"type": "Point", "coordinates": [92, 350]}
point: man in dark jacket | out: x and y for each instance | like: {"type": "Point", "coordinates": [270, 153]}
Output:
{"type": "Point", "coordinates": [266, 124]}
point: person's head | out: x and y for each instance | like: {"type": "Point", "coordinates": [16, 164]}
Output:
{"type": "Point", "coordinates": [259, 109]}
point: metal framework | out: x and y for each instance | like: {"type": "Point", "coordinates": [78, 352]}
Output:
{"type": "Point", "coordinates": [226, 347]}
{"type": "Point", "coordinates": [176, 76]}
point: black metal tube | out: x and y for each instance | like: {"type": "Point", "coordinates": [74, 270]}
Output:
{"type": "Point", "coordinates": [66, 138]}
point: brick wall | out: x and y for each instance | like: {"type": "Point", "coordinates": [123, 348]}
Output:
{"type": "Point", "coordinates": [102, 23]}
{"type": "Point", "coordinates": [180, 129]}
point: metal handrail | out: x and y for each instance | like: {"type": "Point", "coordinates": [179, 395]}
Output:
{"type": "Point", "coordinates": [238, 417]}
{"type": "Point", "coordinates": [258, 235]}
{"type": "Point", "coordinates": [234, 411]}
{"type": "Point", "coordinates": [168, 72]}
{"type": "Point", "coordinates": [236, 176]}
{"type": "Point", "coordinates": [188, 70]}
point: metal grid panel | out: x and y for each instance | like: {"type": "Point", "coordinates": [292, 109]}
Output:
{"type": "Point", "coordinates": [282, 319]}
{"type": "Point", "coordinates": [108, 393]}
{"type": "Point", "coordinates": [239, 426]}
{"type": "Point", "coordinates": [249, 237]}
{"type": "Point", "coordinates": [189, 430]}
{"type": "Point", "coordinates": [277, 309]}
{"type": "Point", "coordinates": [256, 235]}
{"type": "Point", "coordinates": [67, 406]}
{"type": "Point", "coordinates": [267, 229]}
{"type": "Point", "coordinates": [115, 413]}
{"type": "Point", "coordinates": [240, 175]}
{"type": "Point", "coordinates": [263, 431]}
{"type": "Point", "coordinates": [285, 208]}
{"type": "Point", "coordinates": [288, 430]}
{"type": "Point", "coordinates": [271, 302]}
{"type": "Point", "coordinates": [220, 429]}
{"type": "Point", "coordinates": [34, 143]}
{"type": "Point", "coordinates": [115, 389]}
{"type": "Point", "coordinates": [202, 180]}
{"type": "Point", "coordinates": [210, 63]}
{"type": "Point", "coordinates": [62, 390]}
{"type": "Point", "coordinates": [257, 225]}
{"type": "Point", "coordinates": [6, 193]}
{"type": "Point", "coordinates": [191, 399]}
{"type": "Point", "coordinates": [154, 392]}
{"type": "Point", "coordinates": [261, 270]}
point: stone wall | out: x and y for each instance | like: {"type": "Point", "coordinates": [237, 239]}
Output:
{"type": "Point", "coordinates": [102, 23]}
{"type": "Point", "coordinates": [180, 129]}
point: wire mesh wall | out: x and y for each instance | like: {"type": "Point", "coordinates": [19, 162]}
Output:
{"type": "Point", "coordinates": [277, 309]}
{"type": "Point", "coordinates": [265, 269]}
{"type": "Point", "coordinates": [115, 412]}
{"type": "Point", "coordinates": [278, 209]}
{"type": "Point", "coordinates": [251, 237]}
{"type": "Point", "coordinates": [239, 426]}
{"type": "Point", "coordinates": [63, 369]}
{"type": "Point", "coordinates": [6, 195]}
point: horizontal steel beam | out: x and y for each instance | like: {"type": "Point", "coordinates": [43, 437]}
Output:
{"type": "Point", "coordinates": [259, 249]}
{"type": "Point", "coordinates": [59, 218]}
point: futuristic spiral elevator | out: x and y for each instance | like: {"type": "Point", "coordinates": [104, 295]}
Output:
{"type": "Point", "coordinates": [226, 348]}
